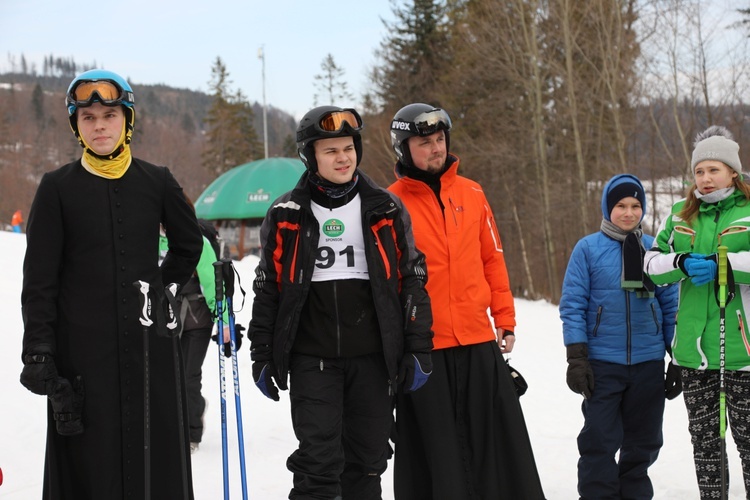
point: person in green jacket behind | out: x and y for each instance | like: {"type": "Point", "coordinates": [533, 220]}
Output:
{"type": "Point", "coordinates": [716, 211]}
{"type": "Point", "coordinates": [197, 306]}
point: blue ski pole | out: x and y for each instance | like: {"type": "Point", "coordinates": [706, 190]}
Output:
{"type": "Point", "coordinates": [219, 282]}
{"type": "Point", "coordinates": [228, 272]}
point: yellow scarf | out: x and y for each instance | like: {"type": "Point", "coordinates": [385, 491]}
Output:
{"type": "Point", "coordinates": [109, 168]}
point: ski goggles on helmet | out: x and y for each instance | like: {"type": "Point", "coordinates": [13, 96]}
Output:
{"type": "Point", "coordinates": [106, 92]}
{"type": "Point", "coordinates": [426, 123]}
{"type": "Point", "coordinates": [336, 120]}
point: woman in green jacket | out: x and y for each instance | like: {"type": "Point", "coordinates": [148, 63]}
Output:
{"type": "Point", "coordinates": [716, 211]}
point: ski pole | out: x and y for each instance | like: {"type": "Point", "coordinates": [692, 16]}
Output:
{"type": "Point", "coordinates": [228, 272]}
{"type": "Point", "coordinates": [173, 326]}
{"type": "Point", "coordinates": [722, 280]}
{"type": "Point", "coordinates": [146, 322]}
{"type": "Point", "coordinates": [219, 283]}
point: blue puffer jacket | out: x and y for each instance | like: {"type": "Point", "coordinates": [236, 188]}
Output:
{"type": "Point", "coordinates": [618, 326]}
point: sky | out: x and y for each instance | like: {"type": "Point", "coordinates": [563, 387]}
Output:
{"type": "Point", "coordinates": [176, 42]}
{"type": "Point", "coordinates": [551, 410]}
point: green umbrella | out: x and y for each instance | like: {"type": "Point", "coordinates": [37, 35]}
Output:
{"type": "Point", "coordinates": [246, 191]}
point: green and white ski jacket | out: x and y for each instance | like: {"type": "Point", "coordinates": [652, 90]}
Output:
{"type": "Point", "coordinates": [696, 340]}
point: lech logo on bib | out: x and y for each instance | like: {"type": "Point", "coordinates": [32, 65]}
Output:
{"type": "Point", "coordinates": [333, 228]}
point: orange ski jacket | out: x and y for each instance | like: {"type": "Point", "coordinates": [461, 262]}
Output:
{"type": "Point", "coordinates": [465, 262]}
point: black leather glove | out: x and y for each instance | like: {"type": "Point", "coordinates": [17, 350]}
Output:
{"type": "Point", "coordinates": [580, 377]}
{"type": "Point", "coordinates": [262, 376]}
{"type": "Point", "coordinates": [673, 381]}
{"type": "Point", "coordinates": [67, 405]}
{"type": "Point", "coordinates": [673, 378]}
{"type": "Point", "coordinates": [416, 368]}
{"type": "Point", "coordinates": [238, 329]}
{"type": "Point", "coordinates": [39, 374]}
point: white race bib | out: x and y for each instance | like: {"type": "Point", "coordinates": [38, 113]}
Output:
{"type": "Point", "coordinates": [341, 247]}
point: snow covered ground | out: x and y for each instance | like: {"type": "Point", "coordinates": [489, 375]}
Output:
{"type": "Point", "coordinates": [552, 413]}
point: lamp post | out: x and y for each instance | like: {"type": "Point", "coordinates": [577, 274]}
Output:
{"type": "Point", "coordinates": [262, 57]}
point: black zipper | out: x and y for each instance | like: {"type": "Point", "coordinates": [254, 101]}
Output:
{"type": "Point", "coordinates": [453, 210]}
{"type": "Point", "coordinates": [656, 318]}
{"type": "Point", "coordinates": [338, 320]}
{"type": "Point", "coordinates": [598, 319]}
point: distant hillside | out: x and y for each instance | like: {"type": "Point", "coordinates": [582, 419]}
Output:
{"type": "Point", "coordinates": [35, 136]}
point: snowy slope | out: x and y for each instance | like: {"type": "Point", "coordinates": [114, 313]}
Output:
{"type": "Point", "coordinates": [552, 413]}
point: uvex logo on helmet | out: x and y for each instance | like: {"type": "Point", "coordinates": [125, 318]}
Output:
{"type": "Point", "coordinates": [399, 125]}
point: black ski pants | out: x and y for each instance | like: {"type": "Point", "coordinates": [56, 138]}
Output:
{"type": "Point", "coordinates": [194, 346]}
{"type": "Point", "coordinates": [625, 412]}
{"type": "Point", "coordinates": [702, 402]}
{"type": "Point", "coordinates": [342, 413]}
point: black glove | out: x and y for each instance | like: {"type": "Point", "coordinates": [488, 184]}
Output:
{"type": "Point", "coordinates": [580, 377]}
{"type": "Point", "coordinates": [518, 381]}
{"type": "Point", "coordinates": [262, 376]}
{"type": "Point", "coordinates": [238, 329]}
{"type": "Point", "coordinates": [39, 374]}
{"type": "Point", "coordinates": [673, 379]}
{"type": "Point", "coordinates": [416, 368]}
{"type": "Point", "coordinates": [67, 405]}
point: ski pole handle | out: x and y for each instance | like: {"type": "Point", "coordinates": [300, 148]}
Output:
{"type": "Point", "coordinates": [145, 302]}
{"type": "Point", "coordinates": [173, 322]}
{"type": "Point", "coordinates": [228, 272]}
{"type": "Point", "coordinates": [722, 275]}
{"type": "Point", "coordinates": [218, 280]}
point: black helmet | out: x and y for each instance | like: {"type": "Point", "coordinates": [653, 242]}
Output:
{"type": "Point", "coordinates": [325, 122]}
{"type": "Point", "coordinates": [414, 120]}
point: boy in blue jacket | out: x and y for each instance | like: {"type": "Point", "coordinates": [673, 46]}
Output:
{"type": "Point", "coordinates": [617, 327]}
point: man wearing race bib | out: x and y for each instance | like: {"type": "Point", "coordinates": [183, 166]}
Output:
{"type": "Point", "coordinates": [340, 310]}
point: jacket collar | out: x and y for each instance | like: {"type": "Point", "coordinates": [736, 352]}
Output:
{"type": "Point", "coordinates": [412, 174]}
{"type": "Point", "coordinates": [370, 192]}
{"type": "Point", "coordinates": [724, 204]}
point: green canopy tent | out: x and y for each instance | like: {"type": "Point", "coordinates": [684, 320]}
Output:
{"type": "Point", "coordinates": [238, 200]}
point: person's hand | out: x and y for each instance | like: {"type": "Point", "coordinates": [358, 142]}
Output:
{"type": "Point", "coordinates": [506, 341]}
{"type": "Point", "coordinates": [39, 374]}
{"type": "Point", "coordinates": [673, 378]}
{"type": "Point", "coordinates": [580, 376]}
{"type": "Point", "coordinates": [67, 406]}
{"type": "Point", "coordinates": [262, 376]}
{"type": "Point", "coordinates": [238, 329]}
{"type": "Point", "coordinates": [672, 381]}
{"type": "Point", "coordinates": [701, 268]}
{"type": "Point", "coordinates": [704, 271]}
{"type": "Point", "coordinates": [416, 368]}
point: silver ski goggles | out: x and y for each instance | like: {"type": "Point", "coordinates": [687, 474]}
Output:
{"type": "Point", "coordinates": [426, 123]}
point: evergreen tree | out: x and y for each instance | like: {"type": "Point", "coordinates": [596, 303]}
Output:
{"type": "Point", "coordinates": [289, 147]}
{"type": "Point", "coordinates": [37, 104]}
{"type": "Point", "coordinates": [413, 55]}
{"type": "Point", "coordinates": [332, 88]}
{"type": "Point", "coordinates": [231, 138]}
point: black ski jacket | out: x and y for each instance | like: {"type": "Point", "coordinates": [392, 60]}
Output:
{"type": "Point", "coordinates": [289, 238]}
